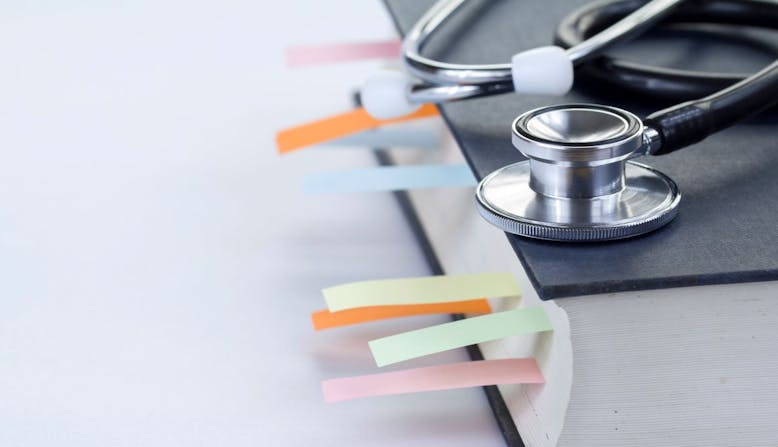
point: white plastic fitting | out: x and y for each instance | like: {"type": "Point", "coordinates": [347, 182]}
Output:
{"type": "Point", "coordinates": [542, 71]}
{"type": "Point", "coordinates": [384, 95]}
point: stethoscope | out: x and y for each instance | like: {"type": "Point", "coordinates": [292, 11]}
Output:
{"type": "Point", "coordinates": [579, 183]}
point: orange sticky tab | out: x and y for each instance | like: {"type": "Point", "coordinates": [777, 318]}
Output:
{"type": "Point", "coordinates": [339, 126]}
{"type": "Point", "coordinates": [325, 319]}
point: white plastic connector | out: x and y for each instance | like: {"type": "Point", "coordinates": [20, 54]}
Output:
{"type": "Point", "coordinates": [384, 95]}
{"type": "Point", "coordinates": [542, 71]}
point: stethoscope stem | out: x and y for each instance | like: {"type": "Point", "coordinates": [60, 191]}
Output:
{"type": "Point", "coordinates": [579, 181]}
{"type": "Point", "coordinates": [442, 81]}
{"type": "Point", "coordinates": [627, 28]}
{"type": "Point", "coordinates": [440, 73]}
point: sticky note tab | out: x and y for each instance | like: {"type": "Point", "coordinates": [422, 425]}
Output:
{"type": "Point", "coordinates": [457, 334]}
{"type": "Point", "coordinates": [338, 126]}
{"type": "Point", "coordinates": [410, 137]}
{"type": "Point", "coordinates": [325, 319]}
{"type": "Point", "coordinates": [431, 289]}
{"type": "Point", "coordinates": [389, 178]}
{"type": "Point", "coordinates": [342, 52]}
{"type": "Point", "coordinates": [434, 378]}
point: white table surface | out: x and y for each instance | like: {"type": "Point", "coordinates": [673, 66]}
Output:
{"type": "Point", "coordinates": [159, 262]}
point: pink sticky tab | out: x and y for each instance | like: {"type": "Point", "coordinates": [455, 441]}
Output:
{"type": "Point", "coordinates": [325, 54]}
{"type": "Point", "coordinates": [434, 378]}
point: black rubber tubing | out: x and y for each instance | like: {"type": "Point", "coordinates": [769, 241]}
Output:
{"type": "Point", "coordinates": [689, 122]}
{"type": "Point", "coordinates": [730, 98]}
{"type": "Point", "coordinates": [659, 82]}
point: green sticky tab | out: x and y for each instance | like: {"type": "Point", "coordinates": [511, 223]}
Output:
{"type": "Point", "coordinates": [470, 331]}
{"type": "Point", "coordinates": [432, 289]}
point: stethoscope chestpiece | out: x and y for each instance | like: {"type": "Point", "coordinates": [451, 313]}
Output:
{"type": "Point", "coordinates": [577, 184]}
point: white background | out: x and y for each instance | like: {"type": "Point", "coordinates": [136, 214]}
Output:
{"type": "Point", "coordinates": [158, 260]}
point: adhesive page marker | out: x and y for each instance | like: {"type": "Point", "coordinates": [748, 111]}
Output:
{"type": "Point", "coordinates": [389, 178]}
{"type": "Point", "coordinates": [338, 126]}
{"type": "Point", "coordinates": [325, 319]}
{"type": "Point", "coordinates": [411, 137]}
{"type": "Point", "coordinates": [434, 378]}
{"type": "Point", "coordinates": [431, 289]}
{"type": "Point", "coordinates": [457, 334]}
{"type": "Point", "coordinates": [342, 52]}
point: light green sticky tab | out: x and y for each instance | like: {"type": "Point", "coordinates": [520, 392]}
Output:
{"type": "Point", "coordinates": [470, 331]}
{"type": "Point", "coordinates": [432, 289]}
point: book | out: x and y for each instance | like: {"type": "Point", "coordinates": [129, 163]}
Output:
{"type": "Point", "coordinates": [663, 339]}
{"type": "Point", "coordinates": [682, 366]}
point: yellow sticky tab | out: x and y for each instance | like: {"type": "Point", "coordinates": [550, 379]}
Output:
{"type": "Point", "coordinates": [432, 289]}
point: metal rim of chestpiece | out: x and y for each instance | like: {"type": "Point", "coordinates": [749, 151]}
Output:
{"type": "Point", "coordinates": [577, 184]}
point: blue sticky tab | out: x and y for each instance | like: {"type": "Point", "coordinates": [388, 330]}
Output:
{"type": "Point", "coordinates": [411, 138]}
{"type": "Point", "coordinates": [389, 178]}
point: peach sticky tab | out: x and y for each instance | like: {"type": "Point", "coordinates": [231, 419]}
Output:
{"type": "Point", "coordinates": [324, 319]}
{"type": "Point", "coordinates": [342, 52]}
{"type": "Point", "coordinates": [339, 126]}
{"type": "Point", "coordinates": [434, 378]}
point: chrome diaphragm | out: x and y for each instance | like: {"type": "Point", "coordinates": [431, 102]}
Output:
{"type": "Point", "coordinates": [578, 183]}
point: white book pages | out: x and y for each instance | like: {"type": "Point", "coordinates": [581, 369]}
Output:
{"type": "Point", "coordinates": [464, 243]}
